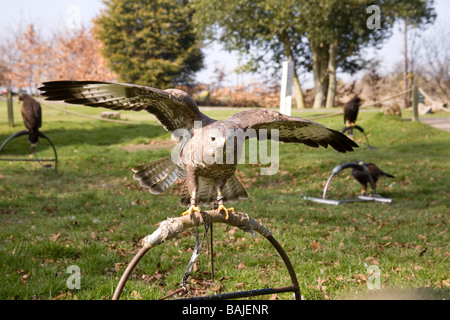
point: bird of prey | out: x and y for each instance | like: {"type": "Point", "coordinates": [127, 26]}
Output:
{"type": "Point", "coordinates": [32, 118]}
{"type": "Point", "coordinates": [351, 109]}
{"type": "Point", "coordinates": [205, 181]}
{"type": "Point", "coordinates": [364, 179]}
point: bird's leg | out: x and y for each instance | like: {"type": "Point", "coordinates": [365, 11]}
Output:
{"type": "Point", "coordinates": [350, 125]}
{"type": "Point", "coordinates": [193, 207]}
{"type": "Point", "coordinates": [350, 131]}
{"type": "Point", "coordinates": [221, 205]}
{"type": "Point", "coordinates": [211, 244]}
{"type": "Point", "coordinates": [372, 185]}
{"type": "Point", "coordinates": [364, 190]}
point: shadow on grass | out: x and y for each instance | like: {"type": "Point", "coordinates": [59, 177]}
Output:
{"type": "Point", "coordinates": [100, 134]}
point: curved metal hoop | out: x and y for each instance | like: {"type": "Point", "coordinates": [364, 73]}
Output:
{"type": "Point", "coordinates": [341, 167]}
{"type": "Point", "coordinates": [24, 132]}
{"type": "Point", "coordinates": [233, 295]}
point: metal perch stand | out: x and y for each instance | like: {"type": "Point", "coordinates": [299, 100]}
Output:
{"type": "Point", "coordinates": [172, 227]}
{"type": "Point", "coordinates": [338, 169]}
{"type": "Point", "coordinates": [24, 132]}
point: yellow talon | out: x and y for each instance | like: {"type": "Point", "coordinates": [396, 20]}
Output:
{"type": "Point", "coordinates": [193, 208]}
{"type": "Point", "coordinates": [349, 124]}
{"type": "Point", "coordinates": [222, 208]}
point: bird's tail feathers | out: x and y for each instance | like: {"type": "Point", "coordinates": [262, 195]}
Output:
{"type": "Point", "coordinates": [232, 191]}
{"type": "Point", "coordinates": [158, 175]}
{"type": "Point", "coordinates": [388, 175]}
{"type": "Point", "coordinates": [33, 136]}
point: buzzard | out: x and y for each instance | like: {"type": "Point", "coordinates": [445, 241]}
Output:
{"type": "Point", "coordinates": [351, 109]}
{"type": "Point", "coordinates": [32, 118]}
{"type": "Point", "coordinates": [205, 181]}
{"type": "Point", "coordinates": [374, 172]}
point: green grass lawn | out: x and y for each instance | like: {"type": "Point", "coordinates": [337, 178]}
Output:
{"type": "Point", "coordinates": [92, 214]}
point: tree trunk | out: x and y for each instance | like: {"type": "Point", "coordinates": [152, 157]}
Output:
{"type": "Point", "coordinates": [319, 57]}
{"type": "Point", "coordinates": [299, 98]}
{"type": "Point", "coordinates": [405, 67]}
{"type": "Point", "coordinates": [332, 66]}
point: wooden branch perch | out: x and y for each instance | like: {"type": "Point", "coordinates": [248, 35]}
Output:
{"type": "Point", "coordinates": [172, 227]}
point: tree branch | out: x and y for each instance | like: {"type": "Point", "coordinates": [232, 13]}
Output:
{"type": "Point", "coordinates": [172, 227]}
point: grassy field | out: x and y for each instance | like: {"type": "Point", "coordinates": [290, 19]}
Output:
{"type": "Point", "coordinates": [92, 214]}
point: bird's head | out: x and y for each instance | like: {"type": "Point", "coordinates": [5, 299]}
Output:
{"type": "Point", "coordinates": [217, 145]}
{"type": "Point", "coordinates": [214, 141]}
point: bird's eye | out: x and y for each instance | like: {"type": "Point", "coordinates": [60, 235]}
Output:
{"type": "Point", "coordinates": [213, 138]}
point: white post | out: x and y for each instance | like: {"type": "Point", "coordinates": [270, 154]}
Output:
{"type": "Point", "coordinates": [286, 87]}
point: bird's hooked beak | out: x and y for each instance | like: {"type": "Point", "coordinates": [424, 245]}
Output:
{"type": "Point", "coordinates": [220, 145]}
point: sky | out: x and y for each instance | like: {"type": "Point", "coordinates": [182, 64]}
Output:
{"type": "Point", "coordinates": [50, 15]}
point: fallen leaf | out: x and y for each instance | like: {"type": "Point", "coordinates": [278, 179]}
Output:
{"type": "Point", "coordinates": [446, 283]}
{"type": "Point", "coordinates": [136, 295]}
{"type": "Point", "coordinates": [24, 278]}
{"type": "Point", "coordinates": [55, 237]}
{"type": "Point", "coordinates": [315, 246]}
{"type": "Point", "coordinates": [60, 296]}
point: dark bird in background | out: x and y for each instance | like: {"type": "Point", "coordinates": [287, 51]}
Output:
{"type": "Point", "coordinates": [32, 118]}
{"type": "Point", "coordinates": [205, 181]}
{"type": "Point", "coordinates": [351, 109]}
{"type": "Point", "coordinates": [364, 179]}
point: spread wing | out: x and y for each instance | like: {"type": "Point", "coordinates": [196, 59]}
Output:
{"type": "Point", "coordinates": [174, 108]}
{"type": "Point", "coordinates": [293, 129]}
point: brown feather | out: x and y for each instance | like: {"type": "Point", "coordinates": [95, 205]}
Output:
{"type": "Point", "coordinates": [32, 117]}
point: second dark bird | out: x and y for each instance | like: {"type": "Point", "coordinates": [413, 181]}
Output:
{"type": "Point", "coordinates": [351, 109]}
{"type": "Point", "coordinates": [374, 172]}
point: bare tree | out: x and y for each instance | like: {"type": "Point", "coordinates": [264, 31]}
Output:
{"type": "Point", "coordinates": [4, 66]}
{"type": "Point", "coordinates": [436, 63]}
{"type": "Point", "coordinates": [76, 55]}
{"type": "Point", "coordinates": [26, 58]}
{"type": "Point", "coordinates": [405, 66]}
